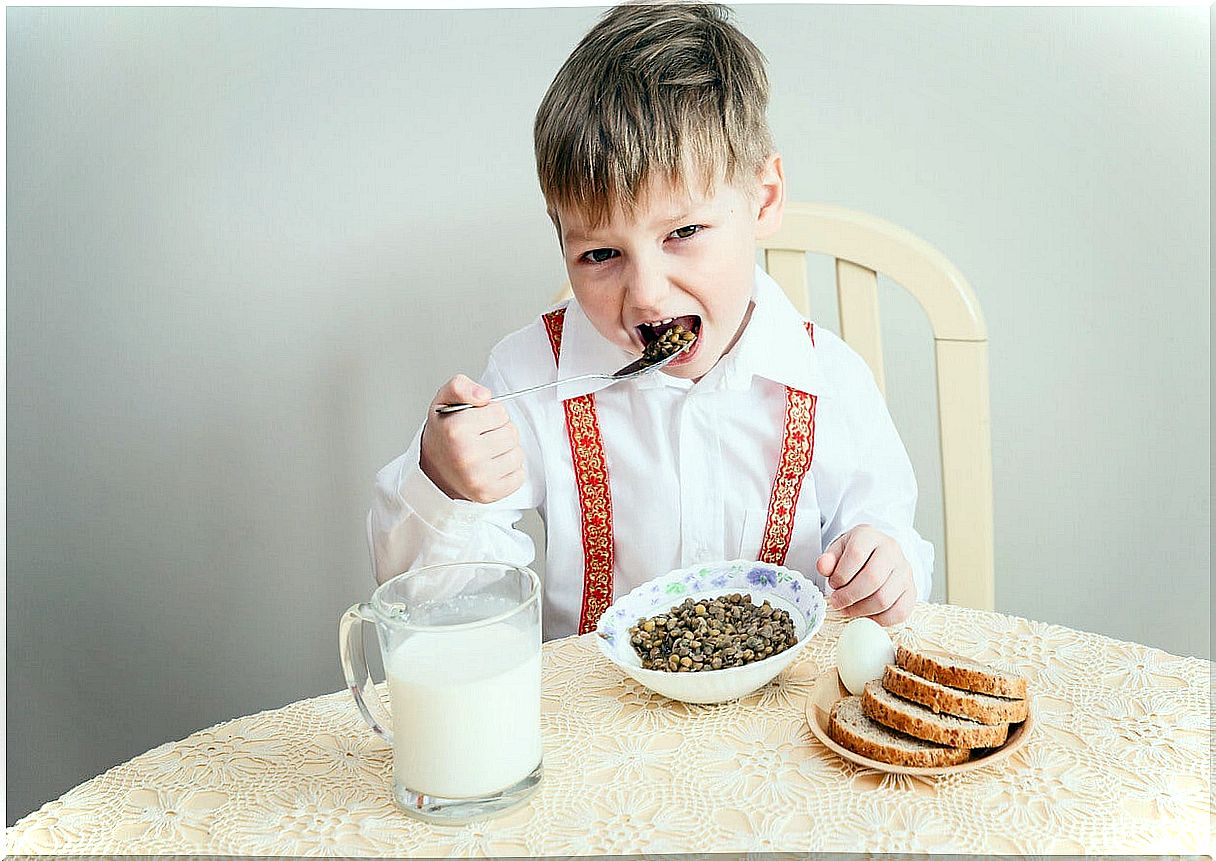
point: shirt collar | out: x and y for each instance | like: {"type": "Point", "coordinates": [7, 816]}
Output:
{"type": "Point", "coordinates": [585, 351]}
{"type": "Point", "coordinates": [775, 345]}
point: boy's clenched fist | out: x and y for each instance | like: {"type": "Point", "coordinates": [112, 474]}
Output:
{"type": "Point", "coordinates": [473, 454]}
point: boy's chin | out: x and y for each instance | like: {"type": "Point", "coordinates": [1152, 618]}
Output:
{"type": "Point", "coordinates": [683, 373]}
{"type": "Point", "coordinates": [694, 370]}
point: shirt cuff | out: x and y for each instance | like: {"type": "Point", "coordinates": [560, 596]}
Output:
{"type": "Point", "coordinates": [434, 507]}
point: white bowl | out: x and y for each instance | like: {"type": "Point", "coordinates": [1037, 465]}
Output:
{"type": "Point", "coordinates": [784, 589]}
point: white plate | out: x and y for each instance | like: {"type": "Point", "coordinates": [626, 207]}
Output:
{"type": "Point", "coordinates": [828, 689]}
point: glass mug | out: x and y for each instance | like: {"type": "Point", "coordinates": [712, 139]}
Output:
{"type": "Point", "coordinates": [461, 649]}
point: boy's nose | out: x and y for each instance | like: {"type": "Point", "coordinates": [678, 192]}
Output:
{"type": "Point", "coordinates": [647, 289]}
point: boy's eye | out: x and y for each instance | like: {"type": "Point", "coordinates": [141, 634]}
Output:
{"type": "Point", "coordinates": [687, 231]}
{"type": "Point", "coordinates": [599, 255]}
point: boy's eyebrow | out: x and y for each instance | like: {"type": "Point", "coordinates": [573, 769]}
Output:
{"type": "Point", "coordinates": [574, 236]}
{"type": "Point", "coordinates": [674, 217]}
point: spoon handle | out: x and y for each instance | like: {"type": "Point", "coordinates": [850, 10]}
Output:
{"type": "Point", "coordinates": [641, 365]}
{"type": "Point", "coordinates": [455, 408]}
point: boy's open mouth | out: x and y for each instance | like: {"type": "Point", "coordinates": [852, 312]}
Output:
{"type": "Point", "coordinates": [653, 341]}
{"type": "Point", "coordinates": [652, 331]}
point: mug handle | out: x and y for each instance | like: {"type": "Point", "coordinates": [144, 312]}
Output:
{"type": "Point", "coordinates": [354, 666]}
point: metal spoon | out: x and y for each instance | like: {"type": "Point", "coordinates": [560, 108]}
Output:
{"type": "Point", "coordinates": [633, 369]}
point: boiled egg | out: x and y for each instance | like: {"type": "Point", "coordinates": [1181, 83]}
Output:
{"type": "Point", "coordinates": [862, 652]}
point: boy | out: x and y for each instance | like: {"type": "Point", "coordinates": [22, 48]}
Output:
{"type": "Point", "coordinates": [766, 440]}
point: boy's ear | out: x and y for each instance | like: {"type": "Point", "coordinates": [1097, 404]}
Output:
{"type": "Point", "coordinates": [770, 195]}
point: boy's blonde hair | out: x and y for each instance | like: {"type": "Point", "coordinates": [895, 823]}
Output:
{"type": "Point", "coordinates": [667, 91]}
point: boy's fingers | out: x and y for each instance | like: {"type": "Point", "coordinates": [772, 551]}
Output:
{"type": "Point", "coordinates": [500, 440]}
{"type": "Point", "coordinates": [899, 611]}
{"type": "Point", "coordinates": [472, 426]}
{"type": "Point", "coordinates": [861, 586]}
{"type": "Point", "coordinates": [883, 591]}
{"type": "Point", "coordinates": [492, 417]}
{"type": "Point", "coordinates": [826, 563]}
{"type": "Point", "coordinates": [837, 544]}
{"type": "Point", "coordinates": [857, 552]}
{"type": "Point", "coordinates": [462, 390]}
{"type": "Point", "coordinates": [509, 461]}
{"type": "Point", "coordinates": [511, 482]}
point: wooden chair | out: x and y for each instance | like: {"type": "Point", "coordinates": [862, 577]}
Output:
{"type": "Point", "coordinates": [864, 246]}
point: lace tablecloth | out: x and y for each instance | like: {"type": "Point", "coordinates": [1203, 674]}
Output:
{"type": "Point", "coordinates": [1119, 762]}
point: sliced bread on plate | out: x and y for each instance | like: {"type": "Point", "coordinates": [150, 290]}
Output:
{"type": "Point", "coordinates": [850, 728]}
{"type": "Point", "coordinates": [879, 704]}
{"type": "Point", "coordinates": [984, 708]}
{"type": "Point", "coordinates": [958, 672]}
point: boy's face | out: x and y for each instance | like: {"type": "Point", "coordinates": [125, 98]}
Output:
{"type": "Point", "coordinates": [680, 258]}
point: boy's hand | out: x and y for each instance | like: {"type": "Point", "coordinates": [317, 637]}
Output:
{"type": "Point", "coordinates": [870, 576]}
{"type": "Point", "coordinates": [473, 454]}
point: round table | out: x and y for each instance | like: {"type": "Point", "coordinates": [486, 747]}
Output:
{"type": "Point", "coordinates": [1118, 762]}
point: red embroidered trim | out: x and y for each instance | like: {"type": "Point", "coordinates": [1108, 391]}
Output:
{"type": "Point", "coordinates": [797, 452]}
{"type": "Point", "coordinates": [553, 325]}
{"type": "Point", "coordinates": [594, 495]}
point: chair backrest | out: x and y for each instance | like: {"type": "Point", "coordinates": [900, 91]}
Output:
{"type": "Point", "coordinates": [864, 246]}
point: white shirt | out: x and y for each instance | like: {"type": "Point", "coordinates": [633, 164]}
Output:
{"type": "Point", "coordinates": [690, 466]}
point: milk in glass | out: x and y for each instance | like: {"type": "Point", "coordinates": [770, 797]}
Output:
{"type": "Point", "coordinates": [466, 709]}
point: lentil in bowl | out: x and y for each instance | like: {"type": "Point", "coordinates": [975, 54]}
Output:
{"type": "Point", "coordinates": [784, 589]}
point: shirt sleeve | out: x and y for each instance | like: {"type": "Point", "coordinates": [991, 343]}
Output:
{"type": "Point", "coordinates": [413, 523]}
{"type": "Point", "coordinates": [881, 488]}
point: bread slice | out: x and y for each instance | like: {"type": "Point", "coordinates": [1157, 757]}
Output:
{"type": "Point", "coordinates": [850, 728]}
{"type": "Point", "coordinates": [959, 672]}
{"type": "Point", "coordinates": [984, 708]}
{"type": "Point", "coordinates": [883, 706]}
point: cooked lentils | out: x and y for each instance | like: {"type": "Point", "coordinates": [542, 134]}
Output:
{"type": "Point", "coordinates": [671, 341]}
{"type": "Point", "coordinates": [712, 634]}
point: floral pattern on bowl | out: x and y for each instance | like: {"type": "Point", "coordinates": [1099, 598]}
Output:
{"type": "Point", "coordinates": [784, 588]}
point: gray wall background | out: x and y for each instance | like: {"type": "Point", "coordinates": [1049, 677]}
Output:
{"type": "Point", "coordinates": [246, 245]}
